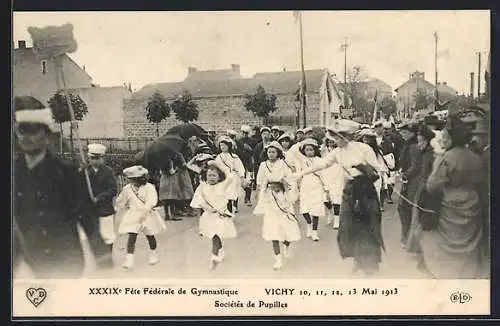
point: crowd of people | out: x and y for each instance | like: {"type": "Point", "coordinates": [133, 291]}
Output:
{"type": "Point", "coordinates": [345, 173]}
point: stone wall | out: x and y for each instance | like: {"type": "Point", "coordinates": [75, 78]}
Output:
{"type": "Point", "coordinates": [216, 114]}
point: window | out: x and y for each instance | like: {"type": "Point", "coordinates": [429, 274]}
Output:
{"type": "Point", "coordinates": [44, 66]}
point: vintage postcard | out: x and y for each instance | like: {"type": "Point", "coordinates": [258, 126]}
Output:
{"type": "Point", "coordinates": [259, 163]}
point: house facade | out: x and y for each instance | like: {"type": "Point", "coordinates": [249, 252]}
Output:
{"type": "Point", "coordinates": [222, 100]}
{"type": "Point", "coordinates": [405, 94]}
{"type": "Point", "coordinates": [38, 79]}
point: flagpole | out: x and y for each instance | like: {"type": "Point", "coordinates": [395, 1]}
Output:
{"type": "Point", "coordinates": [304, 87]}
{"type": "Point", "coordinates": [436, 105]}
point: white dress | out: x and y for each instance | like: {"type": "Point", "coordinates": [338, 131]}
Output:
{"type": "Point", "coordinates": [312, 193]}
{"type": "Point", "coordinates": [214, 197]}
{"type": "Point", "coordinates": [234, 170]}
{"type": "Point", "coordinates": [267, 169]}
{"type": "Point", "coordinates": [139, 213]}
{"type": "Point", "coordinates": [334, 178]}
{"type": "Point", "coordinates": [279, 222]}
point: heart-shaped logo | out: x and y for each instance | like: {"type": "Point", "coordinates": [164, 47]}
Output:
{"type": "Point", "coordinates": [36, 296]}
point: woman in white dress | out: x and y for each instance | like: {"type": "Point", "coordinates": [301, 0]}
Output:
{"type": "Point", "coordinates": [216, 222]}
{"type": "Point", "coordinates": [138, 199]}
{"type": "Point", "coordinates": [279, 224]}
{"type": "Point", "coordinates": [360, 234]}
{"type": "Point", "coordinates": [234, 170]}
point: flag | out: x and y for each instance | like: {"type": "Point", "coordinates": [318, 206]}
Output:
{"type": "Point", "coordinates": [297, 14]}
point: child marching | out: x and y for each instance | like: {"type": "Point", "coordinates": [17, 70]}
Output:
{"type": "Point", "coordinates": [276, 198]}
{"type": "Point", "coordinates": [335, 182]}
{"type": "Point", "coordinates": [314, 191]}
{"type": "Point", "coordinates": [216, 222]}
{"type": "Point", "coordinates": [234, 170]}
{"type": "Point", "coordinates": [137, 200]}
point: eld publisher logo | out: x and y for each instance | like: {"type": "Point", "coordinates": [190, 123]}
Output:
{"type": "Point", "coordinates": [460, 297]}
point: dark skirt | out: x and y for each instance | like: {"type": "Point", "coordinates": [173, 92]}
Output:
{"type": "Point", "coordinates": [360, 230]}
{"type": "Point", "coordinates": [177, 186]}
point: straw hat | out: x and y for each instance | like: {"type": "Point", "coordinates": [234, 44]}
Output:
{"type": "Point", "coordinates": [274, 144]}
{"type": "Point", "coordinates": [308, 141]}
{"type": "Point", "coordinates": [135, 171]}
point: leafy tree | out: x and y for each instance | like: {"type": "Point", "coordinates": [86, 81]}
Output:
{"type": "Point", "coordinates": [357, 92]}
{"type": "Point", "coordinates": [260, 103]}
{"type": "Point", "coordinates": [422, 99]}
{"type": "Point", "coordinates": [157, 110]}
{"type": "Point", "coordinates": [388, 106]}
{"type": "Point", "coordinates": [185, 109]}
{"type": "Point", "coordinates": [61, 114]}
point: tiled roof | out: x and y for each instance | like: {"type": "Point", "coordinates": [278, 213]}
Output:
{"type": "Point", "coordinates": [275, 83]}
{"type": "Point", "coordinates": [210, 75]}
{"type": "Point", "coordinates": [425, 82]}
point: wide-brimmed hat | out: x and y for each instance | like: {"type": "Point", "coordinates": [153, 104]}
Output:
{"type": "Point", "coordinates": [409, 125]}
{"type": "Point", "coordinates": [135, 171]}
{"type": "Point", "coordinates": [265, 129]}
{"type": "Point", "coordinates": [217, 165]}
{"type": "Point", "coordinates": [343, 127]}
{"type": "Point", "coordinates": [274, 144]}
{"type": "Point", "coordinates": [306, 130]}
{"type": "Point", "coordinates": [285, 136]}
{"type": "Point", "coordinates": [204, 157]}
{"type": "Point", "coordinates": [246, 128]}
{"type": "Point", "coordinates": [226, 140]}
{"type": "Point", "coordinates": [308, 141]}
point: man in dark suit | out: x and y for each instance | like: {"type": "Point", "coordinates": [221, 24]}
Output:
{"type": "Point", "coordinates": [244, 145]}
{"type": "Point", "coordinates": [47, 199]}
{"type": "Point", "coordinates": [386, 146]}
{"type": "Point", "coordinates": [101, 233]}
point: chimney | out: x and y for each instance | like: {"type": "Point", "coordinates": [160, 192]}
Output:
{"type": "Point", "coordinates": [21, 44]}
{"type": "Point", "coordinates": [191, 70]}
{"type": "Point", "coordinates": [472, 84]}
{"type": "Point", "coordinates": [235, 68]}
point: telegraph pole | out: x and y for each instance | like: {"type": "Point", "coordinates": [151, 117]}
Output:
{"type": "Point", "coordinates": [344, 47]}
{"type": "Point", "coordinates": [303, 84]}
{"type": "Point", "coordinates": [479, 76]}
{"type": "Point", "coordinates": [436, 105]}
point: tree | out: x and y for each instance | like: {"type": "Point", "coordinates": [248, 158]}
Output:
{"type": "Point", "coordinates": [60, 111]}
{"type": "Point", "coordinates": [388, 106]}
{"type": "Point", "coordinates": [261, 104]}
{"type": "Point", "coordinates": [357, 92]}
{"type": "Point", "coordinates": [185, 109]}
{"type": "Point", "coordinates": [422, 99]}
{"type": "Point", "coordinates": [157, 110]}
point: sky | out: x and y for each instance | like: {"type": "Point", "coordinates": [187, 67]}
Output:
{"type": "Point", "coordinates": [150, 47]}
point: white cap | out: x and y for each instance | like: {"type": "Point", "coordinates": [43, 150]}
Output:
{"type": "Point", "coordinates": [306, 130]}
{"type": "Point", "coordinates": [284, 136]}
{"type": "Point", "coordinates": [42, 116]}
{"type": "Point", "coordinates": [276, 128]}
{"type": "Point", "coordinates": [308, 141]}
{"type": "Point", "coordinates": [231, 132]}
{"type": "Point", "coordinates": [96, 149]}
{"type": "Point", "coordinates": [387, 125]}
{"type": "Point", "coordinates": [275, 144]}
{"type": "Point", "coordinates": [135, 171]}
{"type": "Point", "coordinates": [246, 128]}
{"type": "Point", "coordinates": [204, 157]}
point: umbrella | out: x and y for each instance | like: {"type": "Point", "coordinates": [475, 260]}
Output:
{"type": "Point", "coordinates": [160, 151]}
{"type": "Point", "coordinates": [188, 130]}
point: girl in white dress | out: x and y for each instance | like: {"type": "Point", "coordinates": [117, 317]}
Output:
{"type": "Point", "coordinates": [216, 222]}
{"type": "Point", "coordinates": [280, 224]}
{"type": "Point", "coordinates": [138, 199]}
{"type": "Point", "coordinates": [335, 181]}
{"type": "Point", "coordinates": [234, 170]}
{"type": "Point", "coordinates": [313, 189]}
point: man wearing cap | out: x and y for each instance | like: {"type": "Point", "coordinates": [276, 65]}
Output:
{"type": "Point", "coordinates": [101, 233]}
{"type": "Point", "coordinates": [48, 199]}
{"type": "Point", "coordinates": [246, 155]}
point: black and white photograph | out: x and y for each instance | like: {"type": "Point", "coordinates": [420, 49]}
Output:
{"type": "Point", "coordinates": [234, 148]}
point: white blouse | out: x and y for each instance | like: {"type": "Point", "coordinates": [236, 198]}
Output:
{"type": "Point", "coordinates": [352, 154]}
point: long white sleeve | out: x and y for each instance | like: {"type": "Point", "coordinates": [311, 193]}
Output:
{"type": "Point", "coordinates": [151, 197]}
{"type": "Point", "coordinates": [239, 167]}
{"type": "Point", "coordinates": [322, 163]}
